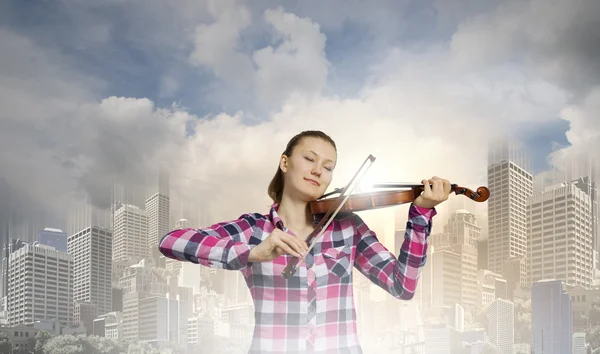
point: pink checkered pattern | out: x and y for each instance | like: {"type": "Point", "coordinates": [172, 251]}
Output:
{"type": "Point", "coordinates": [313, 311]}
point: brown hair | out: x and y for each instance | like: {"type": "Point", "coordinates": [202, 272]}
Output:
{"type": "Point", "coordinates": [275, 189]}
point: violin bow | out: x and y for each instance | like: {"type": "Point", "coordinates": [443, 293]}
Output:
{"type": "Point", "coordinates": [290, 269]}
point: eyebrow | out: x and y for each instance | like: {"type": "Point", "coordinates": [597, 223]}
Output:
{"type": "Point", "coordinates": [327, 160]}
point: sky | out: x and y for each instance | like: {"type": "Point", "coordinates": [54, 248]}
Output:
{"type": "Point", "coordinates": [93, 92]}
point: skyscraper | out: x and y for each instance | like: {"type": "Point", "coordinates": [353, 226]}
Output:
{"type": "Point", "coordinates": [157, 208]}
{"type": "Point", "coordinates": [511, 183]}
{"type": "Point", "coordinates": [130, 233]}
{"type": "Point", "coordinates": [560, 236]}
{"type": "Point", "coordinates": [551, 318]}
{"type": "Point", "coordinates": [501, 315]}
{"type": "Point", "coordinates": [91, 249]}
{"type": "Point", "coordinates": [41, 285]}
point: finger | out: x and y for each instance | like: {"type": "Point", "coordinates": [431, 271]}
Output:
{"type": "Point", "coordinates": [438, 185]}
{"type": "Point", "coordinates": [294, 242]}
{"type": "Point", "coordinates": [286, 248]}
{"type": "Point", "coordinates": [278, 251]}
{"type": "Point", "coordinates": [447, 186]}
{"type": "Point", "coordinates": [426, 186]}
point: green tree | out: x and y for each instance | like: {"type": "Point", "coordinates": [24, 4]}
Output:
{"type": "Point", "coordinates": [103, 345]}
{"type": "Point", "coordinates": [592, 336]}
{"type": "Point", "coordinates": [141, 348]}
{"type": "Point", "coordinates": [476, 318]}
{"type": "Point", "coordinates": [5, 343]}
{"type": "Point", "coordinates": [522, 320]}
{"type": "Point", "coordinates": [41, 338]}
{"type": "Point", "coordinates": [67, 344]}
{"type": "Point", "coordinates": [594, 313]}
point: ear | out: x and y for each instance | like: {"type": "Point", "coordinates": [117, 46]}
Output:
{"type": "Point", "coordinates": [283, 163]}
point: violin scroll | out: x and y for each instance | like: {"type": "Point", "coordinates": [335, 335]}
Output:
{"type": "Point", "coordinates": [482, 194]}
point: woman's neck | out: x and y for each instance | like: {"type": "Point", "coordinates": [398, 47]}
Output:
{"type": "Point", "coordinates": [294, 213]}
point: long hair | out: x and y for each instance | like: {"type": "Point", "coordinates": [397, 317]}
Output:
{"type": "Point", "coordinates": [275, 189]}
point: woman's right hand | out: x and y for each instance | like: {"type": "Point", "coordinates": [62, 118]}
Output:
{"type": "Point", "coordinates": [277, 244]}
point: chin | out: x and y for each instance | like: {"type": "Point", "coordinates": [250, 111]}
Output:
{"type": "Point", "coordinates": [310, 195]}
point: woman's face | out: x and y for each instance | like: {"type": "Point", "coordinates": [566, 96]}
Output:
{"type": "Point", "coordinates": [308, 172]}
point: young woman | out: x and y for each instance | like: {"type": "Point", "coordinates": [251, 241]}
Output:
{"type": "Point", "coordinates": [312, 311]}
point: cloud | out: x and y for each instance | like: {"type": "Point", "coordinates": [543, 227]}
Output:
{"type": "Point", "coordinates": [555, 41]}
{"type": "Point", "coordinates": [584, 135]}
{"type": "Point", "coordinates": [422, 112]}
{"type": "Point", "coordinates": [585, 125]}
{"type": "Point", "coordinates": [295, 65]}
{"type": "Point", "coordinates": [215, 45]}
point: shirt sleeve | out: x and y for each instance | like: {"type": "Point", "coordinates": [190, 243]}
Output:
{"type": "Point", "coordinates": [398, 276]}
{"type": "Point", "coordinates": [225, 245]}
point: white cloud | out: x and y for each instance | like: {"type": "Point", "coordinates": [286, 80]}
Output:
{"type": "Point", "coordinates": [583, 119]}
{"type": "Point", "coordinates": [555, 39]}
{"type": "Point", "coordinates": [295, 65]}
{"type": "Point", "coordinates": [582, 156]}
{"type": "Point", "coordinates": [216, 44]}
{"type": "Point", "coordinates": [421, 114]}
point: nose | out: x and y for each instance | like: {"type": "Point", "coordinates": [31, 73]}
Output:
{"type": "Point", "coordinates": [316, 170]}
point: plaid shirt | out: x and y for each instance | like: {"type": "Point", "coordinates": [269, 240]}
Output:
{"type": "Point", "coordinates": [313, 311]}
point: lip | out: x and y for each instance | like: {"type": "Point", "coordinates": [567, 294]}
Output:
{"type": "Point", "coordinates": [312, 181]}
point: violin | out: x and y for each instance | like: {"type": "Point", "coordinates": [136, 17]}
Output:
{"type": "Point", "coordinates": [382, 199]}
{"type": "Point", "coordinates": [330, 207]}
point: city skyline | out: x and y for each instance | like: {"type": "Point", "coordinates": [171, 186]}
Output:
{"type": "Point", "coordinates": [122, 122]}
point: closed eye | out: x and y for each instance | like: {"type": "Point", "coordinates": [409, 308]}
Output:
{"type": "Point", "coordinates": [312, 160]}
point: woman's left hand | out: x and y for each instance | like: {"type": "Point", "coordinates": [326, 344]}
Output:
{"type": "Point", "coordinates": [435, 191]}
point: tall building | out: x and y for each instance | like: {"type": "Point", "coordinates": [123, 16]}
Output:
{"type": "Point", "coordinates": [501, 314]}
{"type": "Point", "coordinates": [40, 285]}
{"type": "Point", "coordinates": [91, 249]}
{"type": "Point", "coordinates": [138, 283]}
{"type": "Point", "coordinates": [130, 233]}
{"type": "Point", "coordinates": [53, 237]}
{"type": "Point", "coordinates": [460, 238]}
{"type": "Point", "coordinates": [441, 279]}
{"type": "Point", "coordinates": [560, 242]}
{"type": "Point", "coordinates": [584, 168]}
{"type": "Point", "coordinates": [157, 208]}
{"type": "Point", "coordinates": [511, 183]}
{"type": "Point", "coordinates": [463, 228]}
{"type": "Point", "coordinates": [590, 187]}
{"type": "Point", "coordinates": [551, 318]}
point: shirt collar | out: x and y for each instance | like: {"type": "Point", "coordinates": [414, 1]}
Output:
{"type": "Point", "coordinates": [276, 219]}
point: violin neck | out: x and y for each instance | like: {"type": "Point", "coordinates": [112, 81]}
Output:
{"type": "Point", "coordinates": [401, 185]}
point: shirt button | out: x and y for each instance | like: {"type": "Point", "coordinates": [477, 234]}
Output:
{"type": "Point", "coordinates": [311, 308]}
